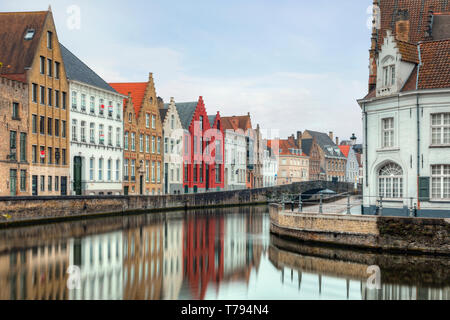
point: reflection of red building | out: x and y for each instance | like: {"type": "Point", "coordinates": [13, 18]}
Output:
{"type": "Point", "coordinates": [203, 165]}
{"type": "Point", "coordinates": [203, 253]}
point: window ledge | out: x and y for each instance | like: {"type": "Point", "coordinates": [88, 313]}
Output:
{"type": "Point", "coordinates": [388, 149]}
{"type": "Point", "coordinates": [439, 201]}
{"type": "Point", "coordinates": [436, 146]}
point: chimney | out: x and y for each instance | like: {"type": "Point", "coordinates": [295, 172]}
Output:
{"type": "Point", "coordinates": [337, 141]}
{"type": "Point", "coordinates": [299, 139]}
{"type": "Point", "coordinates": [402, 26]}
{"type": "Point", "coordinates": [331, 135]}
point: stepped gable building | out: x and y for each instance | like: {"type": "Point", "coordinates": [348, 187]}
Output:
{"type": "Point", "coordinates": [202, 172]}
{"type": "Point", "coordinates": [14, 160]}
{"type": "Point", "coordinates": [30, 53]}
{"type": "Point", "coordinates": [96, 130]}
{"type": "Point", "coordinates": [143, 167]}
{"type": "Point", "coordinates": [173, 148]}
{"type": "Point", "coordinates": [406, 113]}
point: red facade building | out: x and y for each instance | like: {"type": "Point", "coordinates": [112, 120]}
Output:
{"type": "Point", "coordinates": [203, 155]}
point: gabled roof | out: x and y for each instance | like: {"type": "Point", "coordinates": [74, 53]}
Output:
{"type": "Point", "coordinates": [307, 146]}
{"type": "Point", "coordinates": [345, 150]}
{"type": "Point", "coordinates": [186, 111]}
{"type": "Point", "coordinates": [16, 53]}
{"type": "Point", "coordinates": [284, 147]}
{"type": "Point", "coordinates": [237, 122]}
{"type": "Point", "coordinates": [326, 144]}
{"type": "Point", "coordinates": [408, 51]}
{"type": "Point", "coordinates": [77, 70]}
{"type": "Point", "coordinates": [137, 90]}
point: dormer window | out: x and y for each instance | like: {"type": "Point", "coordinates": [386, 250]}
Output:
{"type": "Point", "coordinates": [29, 34]}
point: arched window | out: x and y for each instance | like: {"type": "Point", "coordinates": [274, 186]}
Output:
{"type": "Point", "coordinates": [390, 181]}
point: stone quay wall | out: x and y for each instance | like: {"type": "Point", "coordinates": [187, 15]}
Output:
{"type": "Point", "coordinates": [419, 235]}
{"type": "Point", "coordinates": [22, 210]}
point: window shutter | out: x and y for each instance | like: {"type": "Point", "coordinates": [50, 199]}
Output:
{"type": "Point", "coordinates": [424, 188]}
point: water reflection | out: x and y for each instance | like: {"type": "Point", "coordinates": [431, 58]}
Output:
{"type": "Point", "coordinates": [208, 254]}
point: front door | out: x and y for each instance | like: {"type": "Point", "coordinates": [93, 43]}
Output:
{"type": "Point", "coordinates": [64, 186]}
{"type": "Point", "coordinates": [125, 190]}
{"type": "Point", "coordinates": [166, 178]}
{"type": "Point", "coordinates": [34, 185]}
{"type": "Point", "coordinates": [77, 175]}
{"type": "Point", "coordinates": [13, 181]}
{"type": "Point", "coordinates": [141, 184]}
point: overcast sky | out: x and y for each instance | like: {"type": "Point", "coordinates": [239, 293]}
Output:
{"type": "Point", "coordinates": [294, 65]}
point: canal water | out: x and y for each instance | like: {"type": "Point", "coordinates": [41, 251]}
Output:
{"type": "Point", "coordinates": [206, 254]}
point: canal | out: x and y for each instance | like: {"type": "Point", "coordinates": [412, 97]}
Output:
{"type": "Point", "coordinates": [205, 254]}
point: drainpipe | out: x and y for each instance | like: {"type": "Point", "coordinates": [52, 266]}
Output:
{"type": "Point", "coordinates": [418, 125]}
{"type": "Point", "coordinates": [366, 143]}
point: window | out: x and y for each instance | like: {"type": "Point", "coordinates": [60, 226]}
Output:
{"type": "Point", "coordinates": [12, 145]}
{"type": "Point", "coordinates": [74, 100]}
{"type": "Point", "coordinates": [83, 131]}
{"type": "Point", "coordinates": [100, 169]}
{"type": "Point", "coordinates": [42, 65]}
{"type": "Point", "coordinates": [126, 141]}
{"type": "Point", "coordinates": [56, 183]}
{"type": "Point", "coordinates": [42, 154]}
{"type": "Point", "coordinates": [56, 98]}
{"type": "Point", "coordinates": [153, 122]}
{"type": "Point", "coordinates": [153, 171]}
{"type": "Point", "coordinates": [133, 168]}
{"type": "Point", "coordinates": [217, 173]}
{"type": "Point", "coordinates": [74, 130]}
{"type": "Point", "coordinates": [29, 34]}
{"type": "Point", "coordinates": [34, 92]}
{"type": "Point", "coordinates": [388, 132]}
{"type": "Point", "coordinates": [118, 137]}
{"type": "Point", "coordinates": [186, 145]}
{"type": "Point", "coordinates": [57, 156]}
{"type": "Point", "coordinates": [110, 129]}
{"type": "Point", "coordinates": [147, 171]}
{"type": "Point", "coordinates": [42, 183]}
{"type": "Point", "coordinates": [64, 100]}
{"type": "Point", "coordinates": [83, 102]}
{"type": "Point", "coordinates": [57, 66]}
{"type": "Point", "coordinates": [117, 169]}
{"type": "Point", "coordinates": [64, 157]}
{"type": "Point", "coordinates": [186, 172]}
{"type": "Point", "coordinates": [440, 129]}
{"type": "Point", "coordinates": [390, 181]}
{"type": "Point", "coordinates": [49, 67]}
{"type": "Point", "coordinates": [153, 144]}
{"type": "Point", "coordinates": [147, 144]}
{"type": "Point", "coordinates": [110, 109]}
{"type": "Point", "coordinates": [50, 97]}
{"type": "Point", "coordinates": [50, 183]}
{"type": "Point", "coordinates": [42, 125]}
{"type": "Point", "coordinates": [147, 120]}
{"type": "Point", "coordinates": [125, 167]}
{"type": "Point", "coordinates": [172, 122]}
{"type": "Point", "coordinates": [101, 107]}
{"type": "Point", "coordinates": [129, 117]}
{"type": "Point", "coordinates": [158, 146]}
{"type": "Point", "coordinates": [118, 112]}
{"type": "Point", "coordinates": [34, 154]}
{"type": "Point", "coordinates": [92, 105]}
{"type": "Point", "coordinates": [23, 180]}
{"type": "Point", "coordinates": [166, 147]}
{"type": "Point", "coordinates": [392, 75]}
{"type": "Point", "coordinates": [440, 182]}
{"type": "Point", "coordinates": [49, 40]}
{"type": "Point", "coordinates": [141, 142]}
{"type": "Point", "coordinates": [15, 111]}
{"type": "Point", "coordinates": [109, 169]}
{"type": "Point", "coordinates": [50, 155]}
{"type": "Point", "coordinates": [133, 141]}
{"type": "Point", "coordinates": [42, 95]}
{"type": "Point", "coordinates": [92, 132]}
{"type": "Point", "coordinates": [63, 128]}
{"type": "Point", "coordinates": [101, 135]}
{"type": "Point", "coordinates": [23, 147]}
{"type": "Point", "coordinates": [49, 126]}
{"type": "Point", "coordinates": [158, 173]}
{"type": "Point", "coordinates": [91, 169]}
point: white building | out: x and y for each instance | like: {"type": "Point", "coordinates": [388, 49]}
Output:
{"type": "Point", "coordinates": [234, 245]}
{"type": "Point", "coordinates": [407, 130]}
{"type": "Point", "coordinates": [352, 165]}
{"type": "Point", "coordinates": [235, 154]}
{"type": "Point", "coordinates": [270, 168]}
{"type": "Point", "coordinates": [100, 260]}
{"type": "Point", "coordinates": [96, 131]}
{"type": "Point", "coordinates": [173, 149]}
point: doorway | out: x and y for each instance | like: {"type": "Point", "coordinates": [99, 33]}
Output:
{"type": "Point", "coordinates": [13, 182]}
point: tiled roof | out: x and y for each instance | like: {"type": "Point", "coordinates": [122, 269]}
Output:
{"type": "Point", "coordinates": [137, 90]}
{"type": "Point", "coordinates": [284, 146]}
{"type": "Point", "coordinates": [345, 150]}
{"type": "Point", "coordinates": [418, 12]}
{"type": "Point", "coordinates": [326, 144]}
{"type": "Point", "coordinates": [16, 53]}
{"type": "Point", "coordinates": [77, 70]}
{"type": "Point", "coordinates": [237, 122]}
{"type": "Point", "coordinates": [435, 69]}
{"type": "Point", "coordinates": [307, 146]}
{"type": "Point", "coordinates": [186, 111]}
{"type": "Point", "coordinates": [408, 51]}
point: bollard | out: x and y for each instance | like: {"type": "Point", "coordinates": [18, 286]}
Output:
{"type": "Point", "coordinates": [348, 204]}
{"type": "Point", "coordinates": [300, 203]}
{"type": "Point", "coordinates": [321, 203]}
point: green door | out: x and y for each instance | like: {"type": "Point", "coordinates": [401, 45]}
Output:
{"type": "Point", "coordinates": [77, 175]}
{"type": "Point", "coordinates": [13, 181]}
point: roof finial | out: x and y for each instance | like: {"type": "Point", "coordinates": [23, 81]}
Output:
{"type": "Point", "coordinates": [49, 8]}
{"type": "Point", "coordinates": [172, 99]}
{"type": "Point", "coordinates": [150, 76]}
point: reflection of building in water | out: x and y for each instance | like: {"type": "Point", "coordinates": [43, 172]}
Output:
{"type": "Point", "coordinates": [142, 262]}
{"type": "Point", "coordinates": [404, 292]}
{"type": "Point", "coordinates": [100, 260]}
{"type": "Point", "coordinates": [203, 253]}
{"type": "Point", "coordinates": [38, 273]}
{"type": "Point", "coordinates": [234, 244]}
{"type": "Point", "coordinates": [256, 245]}
{"type": "Point", "coordinates": [173, 259]}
